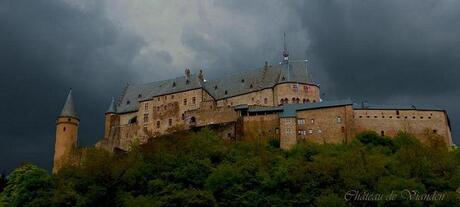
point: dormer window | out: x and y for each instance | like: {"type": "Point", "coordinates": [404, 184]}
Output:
{"type": "Point", "coordinates": [250, 86]}
{"type": "Point", "coordinates": [226, 92]}
{"type": "Point", "coordinates": [139, 96]}
{"type": "Point", "coordinates": [215, 87]}
{"type": "Point", "coordinates": [174, 84]}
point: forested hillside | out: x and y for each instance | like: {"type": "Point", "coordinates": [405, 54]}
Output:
{"type": "Point", "coordinates": [200, 169]}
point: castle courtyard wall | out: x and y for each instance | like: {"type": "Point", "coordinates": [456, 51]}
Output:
{"type": "Point", "coordinates": [390, 122]}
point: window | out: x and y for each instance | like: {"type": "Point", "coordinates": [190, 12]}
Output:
{"type": "Point", "coordinates": [300, 121]}
{"type": "Point", "coordinates": [226, 92]}
{"type": "Point", "coordinates": [435, 131]}
{"type": "Point", "coordinates": [170, 122]}
{"type": "Point", "coordinates": [312, 121]}
{"type": "Point", "coordinates": [343, 129]}
{"type": "Point", "coordinates": [172, 96]}
{"type": "Point", "coordinates": [397, 112]}
{"type": "Point", "coordinates": [252, 99]}
{"type": "Point", "coordinates": [339, 119]}
{"type": "Point", "coordinates": [166, 98]}
{"type": "Point", "coordinates": [158, 98]}
{"type": "Point", "coordinates": [193, 100]}
{"type": "Point", "coordinates": [242, 80]}
{"type": "Point", "coordinates": [165, 107]}
{"type": "Point", "coordinates": [128, 102]}
{"type": "Point", "coordinates": [183, 116]}
{"type": "Point", "coordinates": [63, 129]}
{"type": "Point", "coordinates": [146, 118]}
{"type": "Point", "coordinates": [158, 124]}
{"type": "Point", "coordinates": [382, 133]}
{"type": "Point", "coordinates": [185, 102]}
{"type": "Point", "coordinates": [265, 100]}
{"type": "Point", "coordinates": [320, 131]}
{"type": "Point", "coordinates": [215, 87]}
{"type": "Point", "coordinates": [187, 81]}
{"type": "Point", "coordinates": [314, 101]}
{"type": "Point", "coordinates": [145, 127]}
{"type": "Point", "coordinates": [288, 131]}
{"type": "Point", "coordinates": [139, 96]}
{"type": "Point", "coordinates": [293, 100]}
{"type": "Point", "coordinates": [310, 131]}
{"type": "Point", "coordinates": [146, 107]}
{"type": "Point", "coordinates": [158, 108]}
{"type": "Point", "coordinates": [174, 84]}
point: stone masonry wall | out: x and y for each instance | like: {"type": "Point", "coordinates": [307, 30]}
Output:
{"type": "Point", "coordinates": [417, 122]}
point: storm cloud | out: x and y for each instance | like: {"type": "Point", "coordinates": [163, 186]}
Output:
{"type": "Point", "coordinates": [379, 51]}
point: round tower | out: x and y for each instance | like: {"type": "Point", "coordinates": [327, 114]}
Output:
{"type": "Point", "coordinates": [66, 133]}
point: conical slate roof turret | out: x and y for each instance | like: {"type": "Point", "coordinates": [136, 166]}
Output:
{"type": "Point", "coordinates": [111, 107]}
{"type": "Point", "coordinates": [69, 109]}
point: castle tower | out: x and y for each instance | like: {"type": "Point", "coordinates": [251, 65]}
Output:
{"type": "Point", "coordinates": [110, 118]}
{"type": "Point", "coordinates": [66, 133]}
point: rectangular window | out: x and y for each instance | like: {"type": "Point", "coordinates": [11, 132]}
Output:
{"type": "Point", "coordinates": [339, 119]}
{"type": "Point", "coordinates": [193, 100]}
{"type": "Point", "coordinates": [158, 108]}
{"type": "Point", "coordinates": [300, 121]}
{"type": "Point", "coordinates": [172, 96]}
{"type": "Point", "coordinates": [310, 131]}
{"type": "Point", "coordinates": [146, 107]}
{"type": "Point", "coordinates": [158, 124]}
{"type": "Point", "coordinates": [265, 100]}
{"type": "Point", "coordinates": [312, 121]}
{"type": "Point", "coordinates": [146, 118]}
{"type": "Point", "coordinates": [170, 122]}
{"type": "Point", "coordinates": [185, 102]}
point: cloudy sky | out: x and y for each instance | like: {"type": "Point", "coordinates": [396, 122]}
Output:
{"type": "Point", "coordinates": [389, 51]}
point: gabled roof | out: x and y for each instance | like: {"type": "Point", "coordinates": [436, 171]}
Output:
{"type": "Point", "coordinates": [256, 79]}
{"type": "Point", "coordinates": [133, 94]}
{"type": "Point", "coordinates": [69, 110]}
{"type": "Point", "coordinates": [224, 87]}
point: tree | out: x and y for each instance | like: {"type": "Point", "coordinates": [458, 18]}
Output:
{"type": "Point", "coordinates": [28, 185]}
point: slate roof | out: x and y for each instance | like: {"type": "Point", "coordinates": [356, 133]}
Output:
{"type": "Point", "coordinates": [69, 110]}
{"type": "Point", "coordinates": [112, 108]}
{"type": "Point", "coordinates": [224, 87]}
{"type": "Point", "coordinates": [256, 79]}
{"type": "Point", "coordinates": [129, 100]}
{"type": "Point", "coordinates": [290, 110]}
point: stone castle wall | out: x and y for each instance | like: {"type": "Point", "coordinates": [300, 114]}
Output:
{"type": "Point", "coordinates": [417, 122]}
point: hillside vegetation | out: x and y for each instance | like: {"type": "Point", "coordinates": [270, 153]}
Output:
{"type": "Point", "coordinates": [200, 169]}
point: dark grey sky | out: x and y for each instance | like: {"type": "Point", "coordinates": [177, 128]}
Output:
{"type": "Point", "coordinates": [381, 51]}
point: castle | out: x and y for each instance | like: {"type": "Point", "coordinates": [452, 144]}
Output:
{"type": "Point", "coordinates": [275, 101]}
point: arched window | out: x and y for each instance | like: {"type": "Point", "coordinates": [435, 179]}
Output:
{"type": "Point", "coordinates": [304, 101]}
{"type": "Point", "coordinates": [293, 100]}
{"type": "Point", "coordinates": [308, 100]}
{"type": "Point", "coordinates": [286, 100]}
{"type": "Point", "coordinates": [297, 100]}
